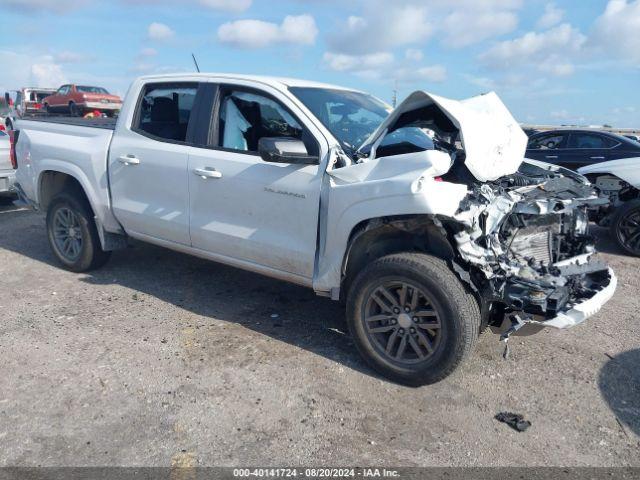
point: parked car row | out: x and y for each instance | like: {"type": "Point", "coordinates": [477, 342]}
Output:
{"type": "Point", "coordinates": [612, 163]}
{"type": "Point", "coordinates": [577, 148]}
{"type": "Point", "coordinates": [70, 99]}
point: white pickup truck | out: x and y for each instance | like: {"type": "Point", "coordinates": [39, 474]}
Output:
{"type": "Point", "coordinates": [425, 220]}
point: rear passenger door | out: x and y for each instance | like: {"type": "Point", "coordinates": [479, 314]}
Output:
{"type": "Point", "coordinates": [148, 164]}
{"type": "Point", "coordinates": [587, 148]}
{"type": "Point", "coordinates": [244, 208]}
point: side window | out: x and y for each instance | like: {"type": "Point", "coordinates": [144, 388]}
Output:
{"type": "Point", "coordinates": [246, 117]}
{"type": "Point", "coordinates": [165, 109]}
{"type": "Point", "coordinates": [589, 140]}
{"type": "Point", "coordinates": [546, 142]}
{"type": "Point", "coordinates": [405, 140]}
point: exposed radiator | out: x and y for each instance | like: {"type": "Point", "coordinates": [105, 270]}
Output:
{"type": "Point", "coordinates": [533, 242]}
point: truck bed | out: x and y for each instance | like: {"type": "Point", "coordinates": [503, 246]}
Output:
{"type": "Point", "coordinates": [106, 123]}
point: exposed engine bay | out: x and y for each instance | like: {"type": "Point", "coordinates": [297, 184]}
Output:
{"type": "Point", "coordinates": [526, 238]}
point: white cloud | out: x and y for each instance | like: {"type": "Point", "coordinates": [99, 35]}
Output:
{"type": "Point", "coordinates": [542, 50]}
{"type": "Point", "coordinates": [148, 52]}
{"type": "Point", "coordinates": [467, 27]}
{"type": "Point", "coordinates": [413, 54]}
{"type": "Point", "coordinates": [71, 57]}
{"type": "Point", "coordinates": [29, 70]}
{"type": "Point", "coordinates": [382, 27]}
{"type": "Point", "coordinates": [617, 30]}
{"type": "Point", "coordinates": [342, 62]}
{"type": "Point", "coordinates": [552, 16]}
{"type": "Point", "coordinates": [227, 5]}
{"type": "Point", "coordinates": [55, 6]}
{"type": "Point", "coordinates": [556, 66]}
{"type": "Point", "coordinates": [434, 73]}
{"type": "Point", "coordinates": [383, 66]}
{"type": "Point", "coordinates": [47, 74]}
{"type": "Point", "coordinates": [295, 30]}
{"type": "Point", "coordinates": [160, 32]}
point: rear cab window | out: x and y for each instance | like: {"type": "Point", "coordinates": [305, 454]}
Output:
{"type": "Point", "coordinates": [164, 111]}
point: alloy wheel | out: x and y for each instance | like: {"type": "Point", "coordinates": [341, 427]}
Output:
{"type": "Point", "coordinates": [402, 322]}
{"type": "Point", "coordinates": [67, 234]}
{"type": "Point", "coordinates": [629, 231]}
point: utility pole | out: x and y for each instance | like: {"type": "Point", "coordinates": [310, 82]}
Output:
{"type": "Point", "coordinates": [394, 100]}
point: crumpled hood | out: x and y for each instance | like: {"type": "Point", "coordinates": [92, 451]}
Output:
{"type": "Point", "coordinates": [493, 141]}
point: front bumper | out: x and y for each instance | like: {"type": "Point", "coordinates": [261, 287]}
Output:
{"type": "Point", "coordinates": [522, 324]}
{"type": "Point", "coordinates": [585, 309]}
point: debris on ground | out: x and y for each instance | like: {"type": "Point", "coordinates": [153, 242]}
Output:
{"type": "Point", "coordinates": [514, 420]}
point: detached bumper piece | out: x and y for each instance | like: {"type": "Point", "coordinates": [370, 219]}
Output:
{"type": "Point", "coordinates": [589, 306]}
{"type": "Point", "coordinates": [588, 287]}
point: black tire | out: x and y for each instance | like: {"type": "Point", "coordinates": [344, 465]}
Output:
{"type": "Point", "coordinates": [74, 111]}
{"type": "Point", "coordinates": [90, 254]}
{"type": "Point", "coordinates": [457, 313]}
{"type": "Point", "coordinates": [47, 109]}
{"type": "Point", "coordinates": [625, 227]}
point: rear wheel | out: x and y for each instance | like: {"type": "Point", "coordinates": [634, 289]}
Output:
{"type": "Point", "coordinates": [72, 234]}
{"type": "Point", "coordinates": [411, 318]}
{"type": "Point", "coordinates": [74, 111]}
{"type": "Point", "coordinates": [47, 109]}
{"type": "Point", "coordinates": [625, 227]}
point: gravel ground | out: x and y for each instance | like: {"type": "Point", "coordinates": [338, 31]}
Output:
{"type": "Point", "coordinates": [161, 359]}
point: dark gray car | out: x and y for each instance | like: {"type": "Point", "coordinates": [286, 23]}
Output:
{"type": "Point", "coordinates": [574, 149]}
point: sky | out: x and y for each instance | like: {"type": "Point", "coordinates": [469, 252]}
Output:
{"type": "Point", "coordinates": [552, 62]}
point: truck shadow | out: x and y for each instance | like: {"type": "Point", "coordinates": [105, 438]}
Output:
{"type": "Point", "coordinates": [619, 383]}
{"type": "Point", "coordinates": [282, 311]}
{"type": "Point", "coordinates": [279, 310]}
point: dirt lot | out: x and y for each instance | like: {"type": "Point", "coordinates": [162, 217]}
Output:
{"type": "Point", "coordinates": [161, 359]}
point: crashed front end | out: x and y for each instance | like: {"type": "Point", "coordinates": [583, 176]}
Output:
{"type": "Point", "coordinates": [525, 240]}
{"type": "Point", "coordinates": [520, 228]}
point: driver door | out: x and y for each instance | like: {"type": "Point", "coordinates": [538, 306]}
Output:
{"type": "Point", "coordinates": [244, 208]}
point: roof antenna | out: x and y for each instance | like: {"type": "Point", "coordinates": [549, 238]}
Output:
{"type": "Point", "coordinates": [196, 62]}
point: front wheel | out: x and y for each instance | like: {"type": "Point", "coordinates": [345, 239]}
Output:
{"type": "Point", "coordinates": [72, 234]}
{"type": "Point", "coordinates": [411, 318]}
{"type": "Point", "coordinates": [625, 227]}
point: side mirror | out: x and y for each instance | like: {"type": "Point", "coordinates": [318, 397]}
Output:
{"type": "Point", "coordinates": [285, 150]}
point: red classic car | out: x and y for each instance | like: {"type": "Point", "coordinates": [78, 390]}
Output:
{"type": "Point", "coordinates": [80, 99]}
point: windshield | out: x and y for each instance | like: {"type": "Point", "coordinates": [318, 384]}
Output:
{"type": "Point", "coordinates": [350, 116]}
{"type": "Point", "coordinates": [99, 90]}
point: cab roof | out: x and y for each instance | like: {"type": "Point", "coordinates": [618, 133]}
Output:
{"type": "Point", "coordinates": [281, 83]}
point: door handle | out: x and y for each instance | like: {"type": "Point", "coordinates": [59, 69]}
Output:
{"type": "Point", "coordinates": [207, 173]}
{"type": "Point", "coordinates": [551, 156]}
{"type": "Point", "coordinates": [597, 158]}
{"type": "Point", "coordinates": [129, 160]}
